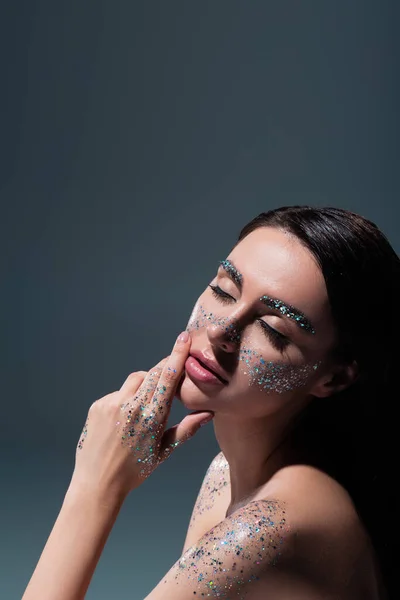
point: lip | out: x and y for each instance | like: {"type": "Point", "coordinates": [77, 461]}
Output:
{"type": "Point", "coordinates": [211, 365]}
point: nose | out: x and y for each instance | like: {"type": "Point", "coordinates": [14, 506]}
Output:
{"type": "Point", "coordinates": [224, 337]}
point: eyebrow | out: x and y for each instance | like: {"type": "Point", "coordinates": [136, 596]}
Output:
{"type": "Point", "coordinates": [232, 272]}
{"type": "Point", "coordinates": [287, 310]}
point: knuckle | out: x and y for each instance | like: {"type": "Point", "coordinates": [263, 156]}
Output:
{"type": "Point", "coordinates": [180, 349]}
{"type": "Point", "coordinates": [114, 400]}
{"type": "Point", "coordinates": [170, 374]}
{"type": "Point", "coordinates": [155, 372]}
{"type": "Point", "coordinates": [103, 403]}
{"type": "Point", "coordinates": [135, 376]}
{"type": "Point", "coordinates": [93, 407]}
{"type": "Point", "coordinates": [133, 381]}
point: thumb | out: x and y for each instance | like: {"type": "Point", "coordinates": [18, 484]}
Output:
{"type": "Point", "coordinates": [180, 433]}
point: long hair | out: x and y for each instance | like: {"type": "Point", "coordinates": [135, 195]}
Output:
{"type": "Point", "coordinates": [353, 432]}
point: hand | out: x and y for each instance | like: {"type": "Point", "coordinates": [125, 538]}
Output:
{"type": "Point", "coordinates": [124, 438]}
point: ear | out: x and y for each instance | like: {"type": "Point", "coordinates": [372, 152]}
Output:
{"type": "Point", "coordinates": [337, 380]}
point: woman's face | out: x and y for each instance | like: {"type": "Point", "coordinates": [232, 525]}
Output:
{"type": "Point", "coordinates": [264, 322]}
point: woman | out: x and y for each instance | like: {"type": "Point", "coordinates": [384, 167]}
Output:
{"type": "Point", "coordinates": [289, 351]}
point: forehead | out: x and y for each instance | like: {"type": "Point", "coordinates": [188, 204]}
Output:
{"type": "Point", "coordinates": [275, 263]}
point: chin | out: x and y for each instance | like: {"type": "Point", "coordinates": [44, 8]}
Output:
{"type": "Point", "coordinates": [194, 398]}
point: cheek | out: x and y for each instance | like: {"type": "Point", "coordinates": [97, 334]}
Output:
{"type": "Point", "coordinates": [272, 376]}
{"type": "Point", "coordinates": [254, 367]}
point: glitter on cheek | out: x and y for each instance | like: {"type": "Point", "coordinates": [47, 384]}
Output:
{"type": "Point", "coordinates": [269, 376]}
{"type": "Point", "coordinates": [235, 552]}
{"type": "Point", "coordinates": [276, 377]}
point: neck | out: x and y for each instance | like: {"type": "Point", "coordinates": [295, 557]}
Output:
{"type": "Point", "coordinates": [254, 449]}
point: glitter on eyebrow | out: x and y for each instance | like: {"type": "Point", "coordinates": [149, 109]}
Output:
{"type": "Point", "coordinates": [229, 268]}
{"type": "Point", "coordinates": [289, 311]}
{"type": "Point", "coordinates": [285, 309]}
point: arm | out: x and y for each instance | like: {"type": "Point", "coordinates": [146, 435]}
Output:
{"type": "Point", "coordinates": [122, 443]}
{"type": "Point", "coordinates": [215, 484]}
{"type": "Point", "coordinates": [71, 554]}
{"type": "Point", "coordinates": [235, 556]}
{"type": "Point", "coordinates": [73, 549]}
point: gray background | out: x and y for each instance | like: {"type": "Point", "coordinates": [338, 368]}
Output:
{"type": "Point", "coordinates": [137, 138]}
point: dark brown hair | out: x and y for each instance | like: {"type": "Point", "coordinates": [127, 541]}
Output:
{"type": "Point", "coordinates": [352, 433]}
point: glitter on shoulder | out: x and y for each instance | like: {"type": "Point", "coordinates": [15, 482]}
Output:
{"type": "Point", "coordinates": [235, 553]}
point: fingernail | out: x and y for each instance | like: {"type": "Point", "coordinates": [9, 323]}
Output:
{"type": "Point", "coordinates": [206, 420]}
{"type": "Point", "coordinates": [183, 337]}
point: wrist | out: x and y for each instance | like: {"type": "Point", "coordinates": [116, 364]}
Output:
{"type": "Point", "coordinates": [95, 497]}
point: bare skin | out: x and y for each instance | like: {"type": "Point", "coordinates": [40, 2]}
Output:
{"type": "Point", "coordinates": [336, 562]}
{"type": "Point", "coordinates": [251, 422]}
{"type": "Point", "coordinates": [266, 524]}
{"type": "Point", "coordinates": [328, 554]}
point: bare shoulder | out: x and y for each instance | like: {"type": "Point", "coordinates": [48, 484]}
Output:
{"type": "Point", "coordinates": [314, 498]}
{"type": "Point", "coordinates": [300, 538]}
{"type": "Point", "coordinates": [215, 484]}
{"type": "Point", "coordinates": [217, 464]}
{"type": "Point", "coordinates": [235, 558]}
{"type": "Point", "coordinates": [331, 545]}
{"type": "Point", "coordinates": [252, 554]}
{"type": "Point", "coordinates": [212, 499]}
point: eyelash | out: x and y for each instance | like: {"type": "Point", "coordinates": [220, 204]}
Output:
{"type": "Point", "coordinates": [279, 341]}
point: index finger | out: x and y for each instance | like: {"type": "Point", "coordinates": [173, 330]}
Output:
{"type": "Point", "coordinates": [173, 369]}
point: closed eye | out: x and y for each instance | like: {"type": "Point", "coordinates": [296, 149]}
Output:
{"type": "Point", "coordinates": [277, 339]}
{"type": "Point", "coordinates": [220, 294]}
